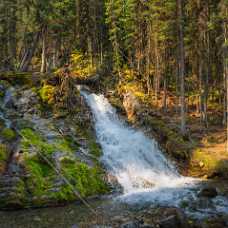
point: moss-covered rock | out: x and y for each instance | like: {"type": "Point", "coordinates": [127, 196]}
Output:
{"type": "Point", "coordinates": [88, 181]}
{"type": "Point", "coordinates": [16, 78]}
{"type": "Point", "coordinates": [4, 154]}
{"type": "Point", "coordinates": [13, 193]}
{"type": "Point", "coordinates": [8, 134]}
{"type": "Point", "coordinates": [171, 141]}
{"type": "Point", "coordinates": [207, 164]}
{"type": "Point", "coordinates": [47, 93]}
{"type": "Point", "coordinates": [46, 184]}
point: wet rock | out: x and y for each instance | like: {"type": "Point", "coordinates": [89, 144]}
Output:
{"type": "Point", "coordinates": [170, 222]}
{"type": "Point", "coordinates": [131, 224]}
{"type": "Point", "coordinates": [218, 222]}
{"type": "Point", "coordinates": [173, 218]}
{"type": "Point", "coordinates": [14, 168]}
{"type": "Point", "coordinates": [27, 102]}
{"type": "Point", "coordinates": [12, 192]}
{"type": "Point", "coordinates": [10, 98]}
{"type": "Point", "coordinates": [2, 90]}
{"type": "Point", "coordinates": [208, 192]}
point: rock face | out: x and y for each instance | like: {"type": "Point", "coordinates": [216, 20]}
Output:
{"type": "Point", "coordinates": [131, 105]}
{"type": "Point", "coordinates": [12, 192]}
{"type": "Point", "coordinates": [28, 101]}
{"type": "Point", "coordinates": [33, 141]}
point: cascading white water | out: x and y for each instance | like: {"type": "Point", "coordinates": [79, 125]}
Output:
{"type": "Point", "coordinates": [134, 159]}
{"type": "Point", "coordinates": [140, 167]}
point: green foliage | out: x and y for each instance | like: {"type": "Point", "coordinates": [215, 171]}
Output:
{"type": "Point", "coordinates": [204, 162]}
{"type": "Point", "coordinates": [47, 93]}
{"type": "Point", "coordinates": [81, 65]}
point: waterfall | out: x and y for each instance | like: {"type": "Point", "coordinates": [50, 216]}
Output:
{"type": "Point", "coordinates": [134, 159]}
{"type": "Point", "coordinates": [140, 167]}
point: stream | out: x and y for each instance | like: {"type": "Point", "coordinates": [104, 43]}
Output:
{"type": "Point", "coordinates": [147, 178]}
{"type": "Point", "coordinates": [145, 174]}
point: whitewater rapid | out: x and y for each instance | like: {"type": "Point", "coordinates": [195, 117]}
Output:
{"type": "Point", "coordinates": [138, 164]}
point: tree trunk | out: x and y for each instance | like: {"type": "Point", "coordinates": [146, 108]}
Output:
{"type": "Point", "coordinates": [12, 35]}
{"type": "Point", "coordinates": [44, 50]}
{"type": "Point", "coordinates": [182, 65]}
{"type": "Point", "coordinates": [29, 53]}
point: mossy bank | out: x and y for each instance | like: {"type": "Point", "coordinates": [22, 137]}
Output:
{"type": "Point", "coordinates": [48, 152]}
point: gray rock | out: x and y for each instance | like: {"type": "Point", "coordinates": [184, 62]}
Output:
{"type": "Point", "coordinates": [170, 222]}
{"type": "Point", "coordinates": [175, 219]}
{"type": "Point", "coordinates": [209, 192]}
{"type": "Point", "coordinates": [132, 224]}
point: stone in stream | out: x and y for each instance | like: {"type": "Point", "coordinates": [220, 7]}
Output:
{"type": "Point", "coordinates": [131, 224]}
{"type": "Point", "coordinates": [208, 192]}
{"type": "Point", "coordinates": [175, 218]}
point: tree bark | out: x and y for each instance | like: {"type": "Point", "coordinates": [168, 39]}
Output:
{"type": "Point", "coordinates": [29, 53]}
{"type": "Point", "coordinates": [182, 65]}
{"type": "Point", "coordinates": [44, 50]}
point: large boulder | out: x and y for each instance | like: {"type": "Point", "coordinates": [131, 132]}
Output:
{"type": "Point", "coordinates": [208, 192]}
{"type": "Point", "coordinates": [173, 218]}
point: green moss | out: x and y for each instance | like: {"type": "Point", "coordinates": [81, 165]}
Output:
{"type": "Point", "coordinates": [207, 163]}
{"type": "Point", "coordinates": [47, 93]}
{"type": "Point", "coordinates": [8, 134]}
{"type": "Point", "coordinates": [5, 84]}
{"type": "Point", "coordinates": [16, 78]}
{"type": "Point", "coordinates": [2, 94]}
{"type": "Point", "coordinates": [40, 176]}
{"type": "Point", "coordinates": [88, 181]}
{"type": "Point", "coordinates": [90, 138]}
{"type": "Point", "coordinates": [66, 144]}
{"type": "Point", "coordinates": [94, 148]}
{"type": "Point", "coordinates": [4, 154]}
{"type": "Point", "coordinates": [34, 139]}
